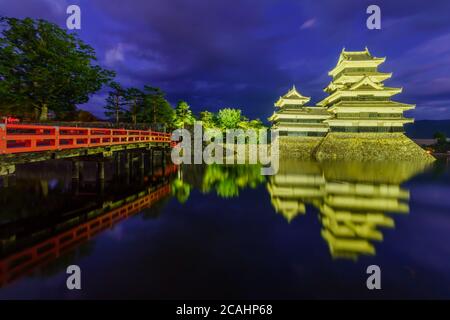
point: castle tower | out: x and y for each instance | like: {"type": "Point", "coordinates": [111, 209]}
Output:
{"type": "Point", "coordinates": [358, 99]}
{"type": "Point", "coordinates": [365, 123]}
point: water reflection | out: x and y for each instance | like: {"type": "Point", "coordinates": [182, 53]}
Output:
{"type": "Point", "coordinates": [50, 214]}
{"type": "Point", "coordinates": [355, 200]}
{"type": "Point", "coordinates": [45, 213]}
{"type": "Point", "coordinates": [224, 180]}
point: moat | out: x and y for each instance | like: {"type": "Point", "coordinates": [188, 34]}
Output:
{"type": "Point", "coordinates": [150, 229]}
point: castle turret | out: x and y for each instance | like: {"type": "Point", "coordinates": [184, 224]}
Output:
{"type": "Point", "coordinates": [294, 118]}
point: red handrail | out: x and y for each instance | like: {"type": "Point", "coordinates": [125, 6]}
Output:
{"type": "Point", "coordinates": [17, 138]}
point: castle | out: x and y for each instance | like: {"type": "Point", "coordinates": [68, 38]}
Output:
{"type": "Point", "coordinates": [357, 120]}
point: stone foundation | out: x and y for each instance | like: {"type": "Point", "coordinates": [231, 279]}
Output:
{"type": "Point", "coordinates": [370, 147]}
{"type": "Point", "coordinates": [298, 147]}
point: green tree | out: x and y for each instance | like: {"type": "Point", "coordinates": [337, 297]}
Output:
{"type": "Point", "coordinates": [183, 115]}
{"type": "Point", "coordinates": [156, 109]}
{"type": "Point", "coordinates": [252, 124]}
{"type": "Point", "coordinates": [135, 100]}
{"type": "Point", "coordinates": [208, 119]}
{"type": "Point", "coordinates": [43, 68]}
{"type": "Point", "coordinates": [229, 118]}
{"type": "Point", "coordinates": [116, 102]}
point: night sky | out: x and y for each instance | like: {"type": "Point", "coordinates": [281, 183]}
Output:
{"type": "Point", "coordinates": [246, 53]}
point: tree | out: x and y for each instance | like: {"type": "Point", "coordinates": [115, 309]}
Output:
{"type": "Point", "coordinates": [208, 119]}
{"type": "Point", "coordinates": [78, 115]}
{"type": "Point", "coordinates": [252, 124]}
{"type": "Point", "coordinates": [156, 108]}
{"type": "Point", "coordinates": [229, 118]}
{"type": "Point", "coordinates": [135, 99]}
{"type": "Point", "coordinates": [440, 137]}
{"type": "Point", "coordinates": [183, 115]}
{"type": "Point", "coordinates": [116, 102]}
{"type": "Point", "coordinates": [86, 116]}
{"type": "Point", "coordinates": [43, 68]}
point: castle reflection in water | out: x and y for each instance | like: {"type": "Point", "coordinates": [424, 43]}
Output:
{"type": "Point", "coordinates": [356, 201]}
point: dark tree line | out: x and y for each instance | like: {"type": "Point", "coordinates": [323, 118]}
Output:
{"type": "Point", "coordinates": [138, 106]}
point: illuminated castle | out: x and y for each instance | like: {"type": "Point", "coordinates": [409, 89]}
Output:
{"type": "Point", "coordinates": [356, 121]}
{"type": "Point", "coordinates": [358, 99]}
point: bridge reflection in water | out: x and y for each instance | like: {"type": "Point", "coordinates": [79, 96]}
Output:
{"type": "Point", "coordinates": [355, 200]}
{"type": "Point", "coordinates": [81, 207]}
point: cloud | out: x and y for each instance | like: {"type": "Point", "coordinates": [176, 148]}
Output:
{"type": "Point", "coordinates": [114, 55]}
{"type": "Point", "coordinates": [57, 6]}
{"type": "Point", "coordinates": [308, 24]}
{"type": "Point", "coordinates": [202, 85]}
{"type": "Point", "coordinates": [243, 56]}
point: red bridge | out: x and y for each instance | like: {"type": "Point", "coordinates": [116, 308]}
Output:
{"type": "Point", "coordinates": [25, 143]}
{"type": "Point", "coordinates": [19, 138]}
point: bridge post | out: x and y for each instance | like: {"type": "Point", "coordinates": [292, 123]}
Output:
{"type": "Point", "coordinates": [77, 167]}
{"type": "Point", "coordinates": [2, 138]}
{"type": "Point", "coordinates": [127, 160]}
{"type": "Point", "coordinates": [5, 181]}
{"type": "Point", "coordinates": [117, 163]}
{"type": "Point", "coordinates": [128, 165]}
{"type": "Point", "coordinates": [163, 160]}
{"type": "Point", "coordinates": [100, 170]}
{"type": "Point", "coordinates": [142, 164]}
{"type": "Point", "coordinates": [101, 176]}
{"type": "Point", "coordinates": [151, 161]}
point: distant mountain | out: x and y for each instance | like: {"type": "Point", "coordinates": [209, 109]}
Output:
{"type": "Point", "coordinates": [425, 129]}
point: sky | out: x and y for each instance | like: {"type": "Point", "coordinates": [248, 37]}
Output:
{"type": "Point", "coordinates": [245, 54]}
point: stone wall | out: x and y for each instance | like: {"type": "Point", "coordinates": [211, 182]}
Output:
{"type": "Point", "coordinates": [298, 147]}
{"type": "Point", "coordinates": [370, 146]}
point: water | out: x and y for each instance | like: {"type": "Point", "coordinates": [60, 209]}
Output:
{"type": "Point", "coordinates": [164, 232]}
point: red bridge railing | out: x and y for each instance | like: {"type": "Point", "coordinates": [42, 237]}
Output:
{"type": "Point", "coordinates": [16, 138]}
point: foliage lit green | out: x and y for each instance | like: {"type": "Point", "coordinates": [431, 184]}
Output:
{"type": "Point", "coordinates": [227, 181]}
{"type": "Point", "coordinates": [183, 115]}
